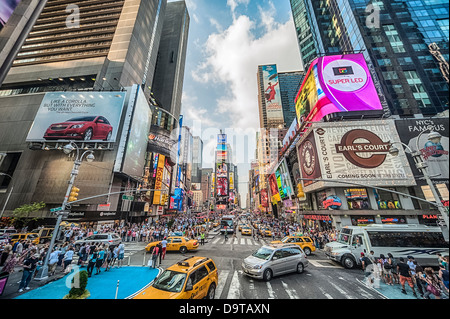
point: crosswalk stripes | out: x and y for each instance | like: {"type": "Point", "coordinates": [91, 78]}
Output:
{"type": "Point", "coordinates": [234, 284]}
{"type": "Point", "coordinates": [223, 275]}
{"type": "Point", "coordinates": [238, 241]}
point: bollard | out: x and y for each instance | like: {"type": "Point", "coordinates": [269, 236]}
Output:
{"type": "Point", "coordinates": [143, 262]}
{"type": "Point", "coordinates": [117, 289]}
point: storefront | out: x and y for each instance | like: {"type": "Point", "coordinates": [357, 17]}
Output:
{"type": "Point", "coordinates": [320, 222]}
{"type": "Point", "coordinates": [96, 219]}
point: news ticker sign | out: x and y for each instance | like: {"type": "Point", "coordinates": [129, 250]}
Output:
{"type": "Point", "coordinates": [353, 151]}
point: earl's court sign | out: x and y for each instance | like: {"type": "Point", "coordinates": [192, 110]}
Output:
{"type": "Point", "coordinates": [357, 151]}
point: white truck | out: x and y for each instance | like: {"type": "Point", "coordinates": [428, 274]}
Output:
{"type": "Point", "coordinates": [420, 241]}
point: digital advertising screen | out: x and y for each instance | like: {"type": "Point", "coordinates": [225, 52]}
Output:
{"type": "Point", "coordinates": [337, 83]}
{"type": "Point", "coordinates": [222, 186]}
{"type": "Point", "coordinates": [82, 116]}
{"type": "Point", "coordinates": [138, 137]}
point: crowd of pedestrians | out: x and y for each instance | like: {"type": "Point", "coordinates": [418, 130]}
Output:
{"type": "Point", "coordinates": [392, 271]}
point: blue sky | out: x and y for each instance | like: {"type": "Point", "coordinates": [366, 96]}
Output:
{"type": "Point", "coordinates": [228, 39]}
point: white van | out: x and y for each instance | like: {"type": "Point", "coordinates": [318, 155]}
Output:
{"type": "Point", "coordinates": [420, 241]}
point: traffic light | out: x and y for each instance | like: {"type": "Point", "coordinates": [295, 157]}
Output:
{"type": "Point", "coordinates": [164, 199]}
{"type": "Point", "coordinates": [73, 196]}
{"type": "Point", "coordinates": [300, 193]}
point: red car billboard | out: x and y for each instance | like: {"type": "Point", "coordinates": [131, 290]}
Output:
{"type": "Point", "coordinates": [88, 116]}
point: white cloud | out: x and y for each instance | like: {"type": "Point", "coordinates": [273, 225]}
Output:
{"type": "Point", "coordinates": [232, 59]}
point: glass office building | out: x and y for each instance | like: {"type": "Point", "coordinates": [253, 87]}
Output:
{"type": "Point", "coordinates": [290, 83]}
{"type": "Point", "coordinates": [405, 44]}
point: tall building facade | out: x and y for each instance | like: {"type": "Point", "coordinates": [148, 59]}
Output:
{"type": "Point", "coordinates": [168, 81]}
{"type": "Point", "coordinates": [400, 40]}
{"type": "Point", "coordinates": [109, 50]}
{"type": "Point", "coordinates": [197, 159]}
{"type": "Point", "coordinates": [290, 83]}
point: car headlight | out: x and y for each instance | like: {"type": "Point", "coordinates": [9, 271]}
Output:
{"type": "Point", "coordinates": [77, 126]}
{"type": "Point", "coordinates": [257, 267]}
{"type": "Point", "coordinates": [335, 254]}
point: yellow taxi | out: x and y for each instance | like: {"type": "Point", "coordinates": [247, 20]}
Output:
{"type": "Point", "coordinates": [216, 224]}
{"type": "Point", "coordinates": [246, 230]}
{"type": "Point", "coordinates": [305, 242]}
{"type": "Point", "coordinates": [264, 231]}
{"type": "Point", "coordinates": [191, 278]}
{"type": "Point", "coordinates": [34, 237]}
{"type": "Point", "coordinates": [176, 243]}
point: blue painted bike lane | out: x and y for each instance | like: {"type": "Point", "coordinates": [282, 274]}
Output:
{"type": "Point", "coordinates": [101, 286]}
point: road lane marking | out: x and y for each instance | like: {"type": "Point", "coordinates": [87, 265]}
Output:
{"type": "Point", "coordinates": [223, 276]}
{"type": "Point", "coordinates": [235, 287]}
{"type": "Point", "coordinates": [270, 290]}
{"type": "Point", "coordinates": [291, 292]}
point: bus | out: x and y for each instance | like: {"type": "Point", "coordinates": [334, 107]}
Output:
{"type": "Point", "coordinates": [227, 220]}
{"type": "Point", "coordinates": [420, 241]}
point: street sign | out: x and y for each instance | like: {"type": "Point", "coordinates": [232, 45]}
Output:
{"type": "Point", "coordinates": [127, 197]}
{"type": "Point", "coordinates": [57, 209]}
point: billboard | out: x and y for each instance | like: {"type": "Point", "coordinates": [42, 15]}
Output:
{"type": "Point", "coordinates": [274, 188]}
{"type": "Point", "coordinates": [136, 147]}
{"type": "Point", "coordinates": [222, 186]}
{"type": "Point", "coordinates": [308, 159]}
{"type": "Point", "coordinates": [221, 138]}
{"type": "Point", "coordinates": [337, 83]}
{"type": "Point", "coordinates": [222, 170]}
{"type": "Point", "coordinates": [6, 10]}
{"type": "Point", "coordinates": [358, 151]}
{"type": "Point", "coordinates": [434, 151]}
{"type": "Point", "coordinates": [159, 180]}
{"type": "Point", "coordinates": [272, 95]}
{"type": "Point", "coordinates": [85, 116]}
{"type": "Point", "coordinates": [231, 180]}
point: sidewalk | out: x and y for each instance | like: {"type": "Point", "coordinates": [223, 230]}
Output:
{"type": "Point", "coordinates": [103, 286]}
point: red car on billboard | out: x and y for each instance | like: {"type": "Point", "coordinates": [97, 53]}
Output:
{"type": "Point", "coordinates": [80, 128]}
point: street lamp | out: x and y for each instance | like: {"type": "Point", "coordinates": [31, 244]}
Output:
{"type": "Point", "coordinates": [67, 149]}
{"type": "Point", "coordinates": [9, 194]}
{"type": "Point", "coordinates": [433, 137]}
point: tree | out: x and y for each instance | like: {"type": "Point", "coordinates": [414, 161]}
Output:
{"type": "Point", "coordinates": [21, 214]}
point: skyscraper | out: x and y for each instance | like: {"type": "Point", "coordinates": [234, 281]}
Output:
{"type": "Point", "coordinates": [109, 46]}
{"type": "Point", "coordinates": [396, 38]}
{"type": "Point", "coordinates": [290, 83]}
{"type": "Point", "coordinates": [169, 75]}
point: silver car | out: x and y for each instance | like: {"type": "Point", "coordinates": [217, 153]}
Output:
{"type": "Point", "coordinates": [111, 239]}
{"type": "Point", "coordinates": [273, 260]}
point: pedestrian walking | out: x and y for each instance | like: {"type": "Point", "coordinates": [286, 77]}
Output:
{"type": "Point", "coordinates": [109, 257]}
{"type": "Point", "coordinates": [92, 260]}
{"type": "Point", "coordinates": [155, 253]}
{"type": "Point", "coordinates": [53, 261]}
{"type": "Point", "coordinates": [163, 248]}
{"type": "Point", "coordinates": [67, 259]}
{"type": "Point", "coordinates": [393, 263]}
{"type": "Point", "coordinates": [202, 238]}
{"type": "Point", "coordinates": [433, 284]}
{"type": "Point", "coordinates": [404, 272]}
{"type": "Point", "coordinates": [367, 267]}
{"type": "Point", "coordinates": [115, 256]}
{"type": "Point", "coordinates": [121, 255]}
{"type": "Point", "coordinates": [29, 266]}
{"type": "Point", "coordinates": [100, 259]}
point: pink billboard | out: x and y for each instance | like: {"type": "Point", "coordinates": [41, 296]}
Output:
{"type": "Point", "coordinates": [337, 83]}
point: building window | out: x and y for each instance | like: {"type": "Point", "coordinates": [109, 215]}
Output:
{"type": "Point", "coordinates": [394, 39]}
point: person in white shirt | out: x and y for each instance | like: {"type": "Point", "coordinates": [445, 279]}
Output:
{"type": "Point", "coordinates": [53, 261]}
{"type": "Point", "coordinates": [68, 256]}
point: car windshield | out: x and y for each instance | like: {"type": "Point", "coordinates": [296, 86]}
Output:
{"type": "Point", "coordinates": [285, 239]}
{"type": "Point", "coordinates": [170, 280]}
{"type": "Point", "coordinates": [82, 119]}
{"type": "Point", "coordinates": [344, 238]}
{"type": "Point", "coordinates": [263, 253]}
